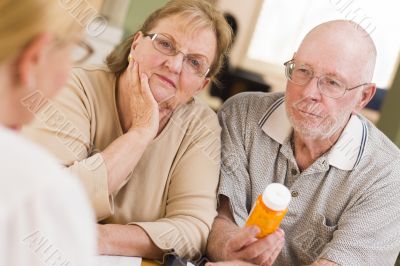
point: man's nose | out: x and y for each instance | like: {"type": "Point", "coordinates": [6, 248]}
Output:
{"type": "Point", "coordinates": [312, 90]}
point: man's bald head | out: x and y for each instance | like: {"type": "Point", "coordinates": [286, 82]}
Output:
{"type": "Point", "coordinates": [344, 42]}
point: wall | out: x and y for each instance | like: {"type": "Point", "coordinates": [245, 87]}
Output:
{"type": "Point", "coordinates": [390, 122]}
{"type": "Point", "coordinates": [138, 11]}
{"type": "Point", "coordinates": [115, 11]}
{"type": "Point", "coordinates": [246, 13]}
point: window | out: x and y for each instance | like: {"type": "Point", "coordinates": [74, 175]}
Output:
{"type": "Point", "coordinates": [283, 23]}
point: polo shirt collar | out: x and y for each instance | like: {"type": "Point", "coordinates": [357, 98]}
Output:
{"type": "Point", "coordinates": [345, 154]}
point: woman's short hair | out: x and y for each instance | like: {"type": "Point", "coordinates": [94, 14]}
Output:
{"type": "Point", "coordinates": [199, 13]}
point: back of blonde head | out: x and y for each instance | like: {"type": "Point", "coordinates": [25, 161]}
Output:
{"type": "Point", "coordinates": [21, 21]}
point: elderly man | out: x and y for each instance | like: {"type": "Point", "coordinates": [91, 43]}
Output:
{"type": "Point", "coordinates": [343, 173]}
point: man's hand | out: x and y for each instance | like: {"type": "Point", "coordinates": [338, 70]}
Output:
{"type": "Point", "coordinates": [228, 242]}
{"type": "Point", "coordinates": [245, 246]}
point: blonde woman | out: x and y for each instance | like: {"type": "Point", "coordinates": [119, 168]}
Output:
{"type": "Point", "coordinates": [147, 150]}
{"type": "Point", "coordinates": [45, 217]}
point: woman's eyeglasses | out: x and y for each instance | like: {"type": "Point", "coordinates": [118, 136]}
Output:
{"type": "Point", "coordinates": [194, 63]}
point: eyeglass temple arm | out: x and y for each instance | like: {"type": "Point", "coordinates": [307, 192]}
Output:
{"type": "Point", "coordinates": [349, 89]}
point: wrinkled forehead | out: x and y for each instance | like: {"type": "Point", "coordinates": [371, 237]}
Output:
{"type": "Point", "coordinates": [191, 32]}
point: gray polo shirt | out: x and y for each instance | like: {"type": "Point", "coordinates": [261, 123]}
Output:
{"type": "Point", "coordinates": [345, 207]}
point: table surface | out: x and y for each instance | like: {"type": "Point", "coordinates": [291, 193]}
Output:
{"type": "Point", "coordinates": [146, 262]}
{"type": "Point", "coordinates": [124, 261]}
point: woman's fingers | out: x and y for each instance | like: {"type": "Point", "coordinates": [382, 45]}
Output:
{"type": "Point", "coordinates": [143, 107]}
{"type": "Point", "coordinates": [140, 86]}
{"type": "Point", "coordinates": [145, 88]}
{"type": "Point", "coordinates": [133, 76]}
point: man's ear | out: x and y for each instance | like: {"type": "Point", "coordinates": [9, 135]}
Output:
{"type": "Point", "coordinates": [367, 93]}
{"type": "Point", "coordinates": [31, 55]}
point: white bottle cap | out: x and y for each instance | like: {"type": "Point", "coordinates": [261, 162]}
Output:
{"type": "Point", "coordinates": [276, 197]}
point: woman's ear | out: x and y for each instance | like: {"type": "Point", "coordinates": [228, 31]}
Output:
{"type": "Point", "coordinates": [136, 38]}
{"type": "Point", "coordinates": [30, 58]}
{"type": "Point", "coordinates": [203, 86]}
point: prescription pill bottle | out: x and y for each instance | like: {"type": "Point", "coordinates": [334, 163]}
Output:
{"type": "Point", "coordinates": [269, 209]}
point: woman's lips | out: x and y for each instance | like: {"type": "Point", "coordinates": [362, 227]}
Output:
{"type": "Point", "coordinates": [166, 80]}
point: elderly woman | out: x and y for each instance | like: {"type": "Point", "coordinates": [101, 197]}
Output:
{"type": "Point", "coordinates": [45, 216]}
{"type": "Point", "coordinates": [147, 151]}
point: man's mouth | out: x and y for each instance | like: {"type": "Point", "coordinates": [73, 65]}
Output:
{"type": "Point", "coordinates": [311, 114]}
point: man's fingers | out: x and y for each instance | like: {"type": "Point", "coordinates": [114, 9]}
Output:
{"type": "Point", "coordinates": [268, 258]}
{"type": "Point", "coordinates": [272, 239]}
{"type": "Point", "coordinates": [243, 237]}
{"type": "Point", "coordinates": [264, 247]}
{"type": "Point", "coordinates": [277, 251]}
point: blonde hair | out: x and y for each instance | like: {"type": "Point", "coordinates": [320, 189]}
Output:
{"type": "Point", "coordinates": [21, 21]}
{"type": "Point", "coordinates": [199, 14]}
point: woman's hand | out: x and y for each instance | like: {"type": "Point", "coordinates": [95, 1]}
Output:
{"type": "Point", "coordinates": [143, 106]}
{"type": "Point", "coordinates": [102, 243]}
{"type": "Point", "coordinates": [126, 240]}
{"type": "Point", "coordinates": [141, 114]}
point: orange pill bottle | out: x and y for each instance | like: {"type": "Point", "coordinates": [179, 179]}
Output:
{"type": "Point", "coordinates": [269, 209]}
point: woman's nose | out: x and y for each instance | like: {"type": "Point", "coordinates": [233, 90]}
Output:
{"type": "Point", "coordinates": [175, 63]}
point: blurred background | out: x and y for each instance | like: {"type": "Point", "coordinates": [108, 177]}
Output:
{"type": "Point", "coordinates": [267, 34]}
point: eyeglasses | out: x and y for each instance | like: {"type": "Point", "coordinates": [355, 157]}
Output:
{"type": "Point", "coordinates": [194, 63]}
{"type": "Point", "coordinates": [329, 86]}
{"type": "Point", "coordinates": [81, 52]}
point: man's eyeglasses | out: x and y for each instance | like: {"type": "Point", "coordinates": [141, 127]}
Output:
{"type": "Point", "coordinates": [194, 63]}
{"type": "Point", "coordinates": [302, 74]}
{"type": "Point", "coordinates": [81, 52]}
